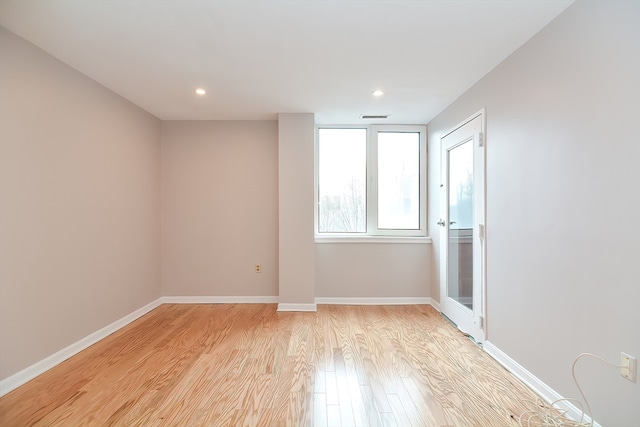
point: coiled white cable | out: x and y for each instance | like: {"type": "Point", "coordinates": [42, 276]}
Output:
{"type": "Point", "coordinates": [551, 415]}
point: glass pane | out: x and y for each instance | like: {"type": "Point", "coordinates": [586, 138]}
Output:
{"type": "Point", "coordinates": [460, 260]}
{"type": "Point", "coordinates": [399, 180]}
{"type": "Point", "coordinates": [342, 180]}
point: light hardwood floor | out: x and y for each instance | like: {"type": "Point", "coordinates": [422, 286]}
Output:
{"type": "Point", "coordinates": [248, 365]}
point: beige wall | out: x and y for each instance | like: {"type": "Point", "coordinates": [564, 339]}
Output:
{"type": "Point", "coordinates": [563, 201]}
{"type": "Point", "coordinates": [373, 270]}
{"type": "Point", "coordinates": [219, 208]}
{"type": "Point", "coordinates": [295, 200]}
{"type": "Point", "coordinates": [220, 214]}
{"type": "Point", "coordinates": [78, 206]}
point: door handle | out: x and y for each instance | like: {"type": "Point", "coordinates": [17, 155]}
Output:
{"type": "Point", "coordinates": [441, 223]}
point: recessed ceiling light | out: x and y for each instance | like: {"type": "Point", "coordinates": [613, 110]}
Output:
{"type": "Point", "coordinates": [377, 93]}
{"type": "Point", "coordinates": [201, 91]}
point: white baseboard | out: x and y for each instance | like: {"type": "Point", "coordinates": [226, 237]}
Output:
{"type": "Point", "coordinates": [29, 373]}
{"type": "Point", "coordinates": [534, 383]}
{"type": "Point", "coordinates": [435, 304]}
{"type": "Point", "coordinates": [296, 307]}
{"type": "Point", "coordinates": [219, 300]}
{"type": "Point", "coordinates": [374, 300]}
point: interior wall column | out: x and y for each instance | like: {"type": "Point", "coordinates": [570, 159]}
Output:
{"type": "Point", "coordinates": [296, 220]}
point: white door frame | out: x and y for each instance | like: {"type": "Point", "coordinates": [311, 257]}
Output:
{"type": "Point", "coordinates": [471, 322]}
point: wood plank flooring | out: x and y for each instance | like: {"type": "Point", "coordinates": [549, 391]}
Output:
{"type": "Point", "coordinates": [249, 365]}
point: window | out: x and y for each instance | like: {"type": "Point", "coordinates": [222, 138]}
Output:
{"type": "Point", "coordinates": [371, 181]}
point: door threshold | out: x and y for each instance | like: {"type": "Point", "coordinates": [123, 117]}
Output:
{"type": "Point", "coordinates": [466, 334]}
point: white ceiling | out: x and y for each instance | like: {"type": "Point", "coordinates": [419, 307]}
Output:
{"type": "Point", "coordinates": [259, 58]}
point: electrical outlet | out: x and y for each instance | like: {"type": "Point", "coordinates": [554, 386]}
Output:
{"type": "Point", "coordinates": [258, 268]}
{"type": "Point", "coordinates": [628, 366]}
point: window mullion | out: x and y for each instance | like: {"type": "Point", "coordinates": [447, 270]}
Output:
{"type": "Point", "coordinates": [372, 180]}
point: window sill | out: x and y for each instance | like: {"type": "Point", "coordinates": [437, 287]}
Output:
{"type": "Point", "coordinates": [373, 239]}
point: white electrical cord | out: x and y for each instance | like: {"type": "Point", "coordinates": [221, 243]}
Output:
{"type": "Point", "coordinates": [550, 415]}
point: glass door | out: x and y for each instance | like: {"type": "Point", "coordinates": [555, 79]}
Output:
{"type": "Point", "coordinates": [462, 222]}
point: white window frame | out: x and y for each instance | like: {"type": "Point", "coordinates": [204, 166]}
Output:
{"type": "Point", "coordinates": [373, 233]}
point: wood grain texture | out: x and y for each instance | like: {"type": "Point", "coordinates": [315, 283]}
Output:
{"type": "Point", "coordinates": [249, 365]}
